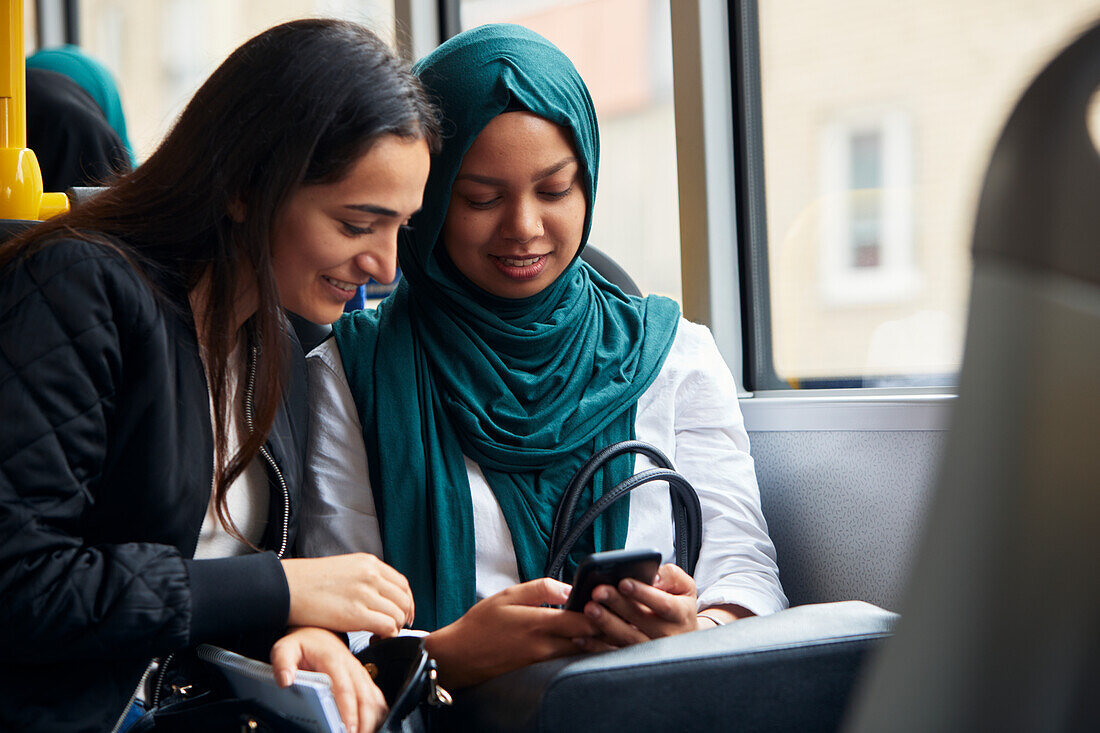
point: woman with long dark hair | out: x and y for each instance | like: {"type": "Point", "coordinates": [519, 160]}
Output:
{"type": "Point", "coordinates": [153, 404]}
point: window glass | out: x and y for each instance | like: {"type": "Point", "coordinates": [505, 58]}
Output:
{"type": "Point", "coordinates": [878, 123]}
{"type": "Point", "coordinates": [160, 52]}
{"type": "Point", "coordinates": [623, 50]}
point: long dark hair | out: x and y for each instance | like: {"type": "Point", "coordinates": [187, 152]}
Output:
{"type": "Point", "coordinates": [296, 105]}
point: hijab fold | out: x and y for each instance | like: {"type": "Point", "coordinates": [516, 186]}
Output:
{"type": "Point", "coordinates": [528, 388]}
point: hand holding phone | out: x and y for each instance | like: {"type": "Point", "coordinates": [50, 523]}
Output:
{"type": "Point", "coordinates": [608, 568]}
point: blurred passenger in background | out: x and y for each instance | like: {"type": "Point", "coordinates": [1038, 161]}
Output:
{"type": "Point", "coordinates": [69, 134]}
{"type": "Point", "coordinates": [94, 78]}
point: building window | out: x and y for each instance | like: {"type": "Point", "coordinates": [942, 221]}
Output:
{"type": "Point", "coordinates": [867, 212]}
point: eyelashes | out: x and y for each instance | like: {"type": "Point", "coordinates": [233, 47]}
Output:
{"type": "Point", "coordinates": [546, 195]}
{"type": "Point", "coordinates": [353, 231]}
{"type": "Point", "coordinates": [555, 195]}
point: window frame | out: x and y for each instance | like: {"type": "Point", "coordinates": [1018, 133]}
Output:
{"type": "Point", "coordinates": [56, 22]}
{"type": "Point", "coordinates": [760, 378]}
{"type": "Point", "coordinates": [749, 197]}
{"type": "Point", "coordinates": [421, 25]}
{"type": "Point", "coordinates": [745, 341]}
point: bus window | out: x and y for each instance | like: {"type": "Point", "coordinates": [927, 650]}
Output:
{"type": "Point", "coordinates": [877, 123]}
{"type": "Point", "coordinates": [629, 74]}
{"type": "Point", "coordinates": [160, 52]}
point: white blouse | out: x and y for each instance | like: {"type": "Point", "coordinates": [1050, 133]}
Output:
{"type": "Point", "coordinates": [690, 413]}
{"type": "Point", "coordinates": [247, 498]}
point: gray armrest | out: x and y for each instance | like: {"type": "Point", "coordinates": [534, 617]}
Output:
{"type": "Point", "coordinates": [792, 670]}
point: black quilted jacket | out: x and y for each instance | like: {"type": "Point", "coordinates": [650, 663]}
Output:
{"type": "Point", "coordinates": [105, 476]}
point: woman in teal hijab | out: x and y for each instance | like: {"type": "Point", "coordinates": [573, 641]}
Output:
{"type": "Point", "coordinates": [501, 362]}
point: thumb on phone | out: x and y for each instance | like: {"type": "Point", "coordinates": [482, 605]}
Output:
{"type": "Point", "coordinates": [674, 580]}
{"type": "Point", "coordinates": [542, 591]}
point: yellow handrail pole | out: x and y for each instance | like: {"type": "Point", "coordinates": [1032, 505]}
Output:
{"type": "Point", "coordinates": [21, 195]}
{"type": "Point", "coordinates": [13, 92]}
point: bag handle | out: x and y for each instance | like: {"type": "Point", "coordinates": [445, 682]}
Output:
{"type": "Point", "coordinates": [568, 503]}
{"type": "Point", "coordinates": [686, 512]}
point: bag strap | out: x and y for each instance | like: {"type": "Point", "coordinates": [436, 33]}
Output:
{"type": "Point", "coordinates": [568, 503]}
{"type": "Point", "coordinates": [686, 512]}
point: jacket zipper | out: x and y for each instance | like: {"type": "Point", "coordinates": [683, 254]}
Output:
{"type": "Point", "coordinates": [264, 452]}
{"type": "Point", "coordinates": [133, 697]}
{"type": "Point", "coordinates": [248, 412]}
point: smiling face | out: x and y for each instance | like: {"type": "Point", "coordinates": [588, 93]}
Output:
{"type": "Point", "coordinates": [330, 238]}
{"type": "Point", "coordinates": [517, 206]}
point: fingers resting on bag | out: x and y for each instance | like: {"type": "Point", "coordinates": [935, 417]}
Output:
{"type": "Point", "coordinates": [361, 704]}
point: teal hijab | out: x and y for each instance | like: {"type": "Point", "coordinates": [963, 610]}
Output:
{"type": "Point", "coordinates": [93, 77]}
{"type": "Point", "coordinates": [528, 388]}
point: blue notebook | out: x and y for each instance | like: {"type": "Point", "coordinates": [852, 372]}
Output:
{"type": "Point", "coordinates": [308, 702]}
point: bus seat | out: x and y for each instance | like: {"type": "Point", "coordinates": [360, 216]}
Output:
{"type": "Point", "coordinates": [840, 535]}
{"type": "Point", "coordinates": [609, 269]}
{"type": "Point", "coordinates": [1000, 626]}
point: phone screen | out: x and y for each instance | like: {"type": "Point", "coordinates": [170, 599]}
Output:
{"type": "Point", "coordinates": [608, 568]}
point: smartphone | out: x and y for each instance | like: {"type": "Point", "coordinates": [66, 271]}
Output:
{"type": "Point", "coordinates": [608, 568]}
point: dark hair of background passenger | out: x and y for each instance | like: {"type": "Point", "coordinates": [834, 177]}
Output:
{"type": "Point", "coordinates": [296, 105]}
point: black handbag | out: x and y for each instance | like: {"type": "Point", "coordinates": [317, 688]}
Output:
{"type": "Point", "coordinates": [190, 696]}
{"type": "Point", "coordinates": [408, 679]}
{"type": "Point", "coordinates": [399, 666]}
{"type": "Point", "coordinates": [686, 514]}
{"type": "Point", "coordinates": [211, 711]}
